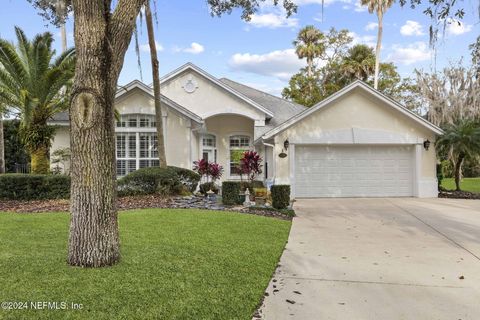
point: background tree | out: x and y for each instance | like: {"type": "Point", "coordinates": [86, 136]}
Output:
{"type": "Point", "coordinates": [379, 7]}
{"type": "Point", "coordinates": [475, 48]}
{"type": "Point", "coordinates": [15, 151]}
{"type": "Point", "coordinates": [309, 44]}
{"type": "Point", "coordinates": [31, 83]}
{"type": "Point", "coordinates": [451, 96]}
{"type": "Point", "coordinates": [358, 62]}
{"type": "Point", "coordinates": [460, 140]}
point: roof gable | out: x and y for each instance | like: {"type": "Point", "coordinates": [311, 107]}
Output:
{"type": "Point", "coordinates": [191, 67]}
{"type": "Point", "coordinates": [336, 96]}
{"type": "Point", "coordinates": [136, 84]}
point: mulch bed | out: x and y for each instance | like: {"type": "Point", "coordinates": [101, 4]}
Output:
{"type": "Point", "coordinates": [124, 203]}
{"type": "Point", "coordinates": [458, 195]}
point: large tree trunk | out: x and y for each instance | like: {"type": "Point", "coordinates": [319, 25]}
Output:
{"type": "Point", "coordinates": [458, 171]}
{"type": "Point", "coordinates": [156, 86]}
{"type": "Point", "coordinates": [379, 47]}
{"type": "Point", "coordinates": [2, 147]}
{"type": "Point", "coordinates": [39, 160]}
{"type": "Point", "coordinates": [101, 40]}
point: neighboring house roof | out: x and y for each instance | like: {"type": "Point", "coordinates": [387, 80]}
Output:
{"type": "Point", "coordinates": [356, 84]}
{"type": "Point", "coordinates": [191, 66]}
{"type": "Point", "coordinates": [282, 109]}
{"type": "Point", "coordinates": [62, 118]}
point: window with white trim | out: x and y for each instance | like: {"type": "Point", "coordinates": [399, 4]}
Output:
{"type": "Point", "coordinates": [238, 145]}
{"type": "Point", "coordinates": [136, 121]}
{"type": "Point", "coordinates": [136, 149]}
{"type": "Point", "coordinates": [209, 147]}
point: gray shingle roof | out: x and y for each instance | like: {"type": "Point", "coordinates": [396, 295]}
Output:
{"type": "Point", "coordinates": [281, 108]}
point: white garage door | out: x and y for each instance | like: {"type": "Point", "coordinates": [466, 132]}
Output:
{"type": "Point", "coordinates": [353, 171]}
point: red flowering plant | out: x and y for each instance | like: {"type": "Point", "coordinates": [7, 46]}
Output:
{"type": "Point", "coordinates": [208, 169]}
{"type": "Point", "coordinates": [251, 165]}
{"type": "Point", "coordinates": [202, 167]}
{"type": "Point", "coordinates": [215, 171]}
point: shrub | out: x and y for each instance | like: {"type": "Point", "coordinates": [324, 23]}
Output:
{"type": "Point", "coordinates": [280, 196]}
{"type": "Point", "coordinates": [34, 187]}
{"type": "Point", "coordinates": [187, 177]}
{"type": "Point", "coordinates": [231, 193]}
{"type": "Point", "coordinates": [204, 187]}
{"type": "Point", "coordinates": [151, 180]}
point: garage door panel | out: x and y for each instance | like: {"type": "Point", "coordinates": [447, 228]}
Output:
{"type": "Point", "coordinates": [353, 171]}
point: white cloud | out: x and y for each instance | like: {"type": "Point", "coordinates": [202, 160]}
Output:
{"type": "Point", "coordinates": [415, 52]}
{"type": "Point", "coordinates": [281, 64]}
{"type": "Point", "coordinates": [412, 28]}
{"type": "Point", "coordinates": [371, 26]}
{"type": "Point", "coordinates": [368, 40]}
{"type": "Point", "coordinates": [456, 27]}
{"type": "Point", "coordinates": [272, 20]}
{"type": "Point", "coordinates": [195, 48]}
{"type": "Point", "coordinates": [146, 48]}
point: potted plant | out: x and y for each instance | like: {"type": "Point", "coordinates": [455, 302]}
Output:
{"type": "Point", "coordinates": [260, 196]}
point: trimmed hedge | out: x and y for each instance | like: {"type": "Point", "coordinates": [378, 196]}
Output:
{"type": "Point", "coordinates": [150, 180]}
{"type": "Point", "coordinates": [231, 193]}
{"type": "Point", "coordinates": [187, 177]}
{"type": "Point", "coordinates": [280, 196]}
{"type": "Point", "coordinates": [34, 186]}
{"type": "Point", "coordinates": [205, 187]}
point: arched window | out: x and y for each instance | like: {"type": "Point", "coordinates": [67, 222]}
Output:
{"type": "Point", "coordinates": [238, 145]}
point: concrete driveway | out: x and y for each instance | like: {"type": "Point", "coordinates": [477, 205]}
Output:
{"type": "Point", "coordinates": [401, 258]}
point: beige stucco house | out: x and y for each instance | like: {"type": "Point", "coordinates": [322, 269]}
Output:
{"type": "Point", "coordinates": [356, 143]}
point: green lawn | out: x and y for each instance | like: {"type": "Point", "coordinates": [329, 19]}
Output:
{"type": "Point", "coordinates": [467, 184]}
{"type": "Point", "coordinates": [176, 264]}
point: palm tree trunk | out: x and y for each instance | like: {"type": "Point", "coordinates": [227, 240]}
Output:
{"type": "Point", "coordinates": [309, 67]}
{"type": "Point", "coordinates": [379, 46]}
{"type": "Point", "coordinates": [39, 160]}
{"type": "Point", "coordinates": [458, 171]}
{"type": "Point", "coordinates": [156, 86]}
{"type": "Point", "coordinates": [2, 147]}
{"type": "Point", "coordinates": [63, 31]}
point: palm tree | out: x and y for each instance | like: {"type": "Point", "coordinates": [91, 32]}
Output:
{"type": "Point", "coordinates": [309, 45]}
{"type": "Point", "coordinates": [460, 140]}
{"type": "Point", "coordinates": [359, 63]}
{"type": "Point", "coordinates": [32, 83]}
{"type": "Point", "coordinates": [380, 7]}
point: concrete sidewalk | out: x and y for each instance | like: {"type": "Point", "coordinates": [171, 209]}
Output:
{"type": "Point", "coordinates": [379, 259]}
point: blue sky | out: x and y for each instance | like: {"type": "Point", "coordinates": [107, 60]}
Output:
{"type": "Point", "coordinates": [260, 53]}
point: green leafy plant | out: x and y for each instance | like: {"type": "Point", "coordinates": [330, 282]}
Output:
{"type": "Point", "coordinates": [164, 181]}
{"type": "Point", "coordinates": [231, 193]}
{"type": "Point", "coordinates": [280, 196]}
{"type": "Point", "coordinates": [34, 187]}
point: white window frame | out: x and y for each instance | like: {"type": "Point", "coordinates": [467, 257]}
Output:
{"type": "Point", "coordinates": [209, 148]}
{"type": "Point", "coordinates": [250, 147]}
{"type": "Point", "coordinates": [137, 132]}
